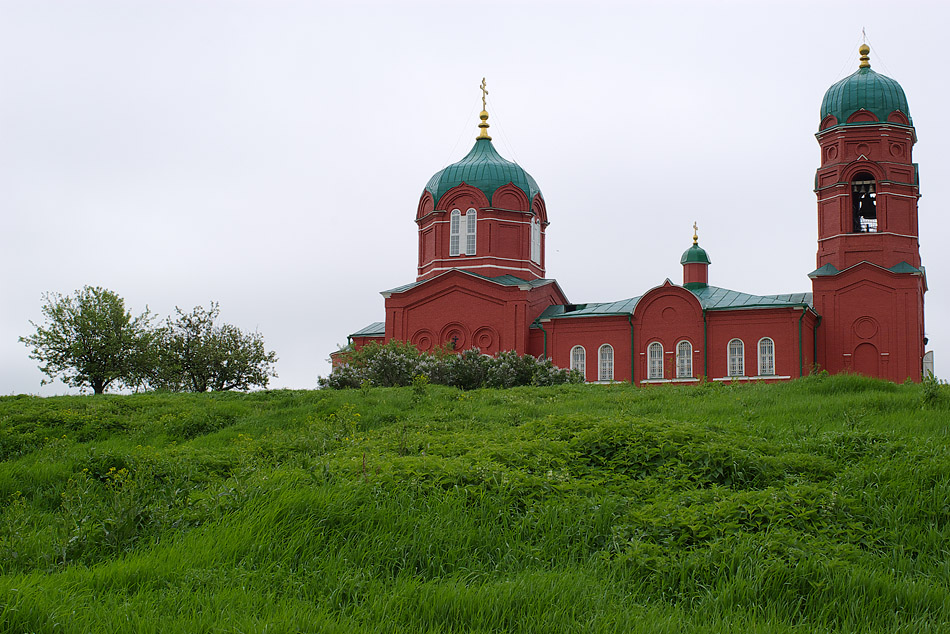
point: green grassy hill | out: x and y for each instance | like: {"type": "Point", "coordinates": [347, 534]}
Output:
{"type": "Point", "coordinates": [821, 505]}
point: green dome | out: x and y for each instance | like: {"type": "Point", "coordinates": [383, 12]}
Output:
{"type": "Point", "coordinates": [695, 255]}
{"type": "Point", "coordinates": [864, 89]}
{"type": "Point", "coordinates": [485, 169]}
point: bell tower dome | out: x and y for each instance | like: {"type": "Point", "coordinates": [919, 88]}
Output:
{"type": "Point", "coordinates": [483, 214]}
{"type": "Point", "coordinates": [869, 285]}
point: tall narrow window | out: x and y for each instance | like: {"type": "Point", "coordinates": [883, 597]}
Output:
{"type": "Point", "coordinates": [736, 358]}
{"type": "Point", "coordinates": [454, 232]}
{"type": "Point", "coordinates": [655, 360]}
{"type": "Point", "coordinates": [684, 360]}
{"type": "Point", "coordinates": [471, 218]}
{"type": "Point", "coordinates": [605, 370]}
{"type": "Point", "coordinates": [766, 357]}
{"type": "Point", "coordinates": [863, 203]}
{"type": "Point", "coordinates": [536, 241]}
{"type": "Point", "coordinates": [579, 360]}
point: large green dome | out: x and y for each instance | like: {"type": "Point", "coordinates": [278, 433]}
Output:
{"type": "Point", "coordinates": [485, 169]}
{"type": "Point", "coordinates": [865, 89]}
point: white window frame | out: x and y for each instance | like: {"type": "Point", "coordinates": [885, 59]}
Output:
{"type": "Point", "coordinates": [454, 232]}
{"type": "Point", "coordinates": [471, 221]}
{"type": "Point", "coordinates": [605, 366]}
{"type": "Point", "coordinates": [766, 357]}
{"type": "Point", "coordinates": [579, 360]}
{"type": "Point", "coordinates": [735, 357]}
{"type": "Point", "coordinates": [655, 360]}
{"type": "Point", "coordinates": [536, 241]}
{"type": "Point", "coordinates": [684, 360]}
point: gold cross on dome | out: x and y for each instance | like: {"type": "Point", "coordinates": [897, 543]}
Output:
{"type": "Point", "coordinates": [484, 93]}
{"type": "Point", "coordinates": [695, 234]}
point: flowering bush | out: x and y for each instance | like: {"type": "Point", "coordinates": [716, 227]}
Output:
{"type": "Point", "coordinates": [398, 363]}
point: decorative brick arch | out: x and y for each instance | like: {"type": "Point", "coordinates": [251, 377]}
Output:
{"type": "Point", "coordinates": [667, 314]}
{"type": "Point", "coordinates": [424, 340]}
{"type": "Point", "coordinates": [455, 334]}
{"type": "Point", "coordinates": [463, 196]}
{"type": "Point", "coordinates": [486, 339]}
{"type": "Point", "coordinates": [862, 116]}
{"type": "Point", "coordinates": [898, 117]}
{"type": "Point", "coordinates": [426, 205]}
{"type": "Point", "coordinates": [509, 197]}
{"type": "Point", "coordinates": [539, 208]}
{"type": "Point", "coordinates": [866, 360]}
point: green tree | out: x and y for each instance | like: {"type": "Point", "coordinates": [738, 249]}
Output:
{"type": "Point", "coordinates": [90, 340]}
{"type": "Point", "coordinates": [195, 355]}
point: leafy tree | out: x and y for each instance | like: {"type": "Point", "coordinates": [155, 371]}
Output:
{"type": "Point", "coordinates": [90, 340]}
{"type": "Point", "coordinates": [193, 354]}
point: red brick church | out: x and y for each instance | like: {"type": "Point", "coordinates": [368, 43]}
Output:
{"type": "Point", "coordinates": [481, 279]}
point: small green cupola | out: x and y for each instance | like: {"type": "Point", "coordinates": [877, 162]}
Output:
{"type": "Point", "coordinates": [868, 91]}
{"type": "Point", "coordinates": [695, 263]}
{"type": "Point", "coordinates": [483, 168]}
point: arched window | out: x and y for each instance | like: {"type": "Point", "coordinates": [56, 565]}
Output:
{"type": "Point", "coordinates": [454, 231]}
{"type": "Point", "coordinates": [655, 360]}
{"type": "Point", "coordinates": [471, 218]}
{"type": "Point", "coordinates": [766, 357]}
{"type": "Point", "coordinates": [736, 358]}
{"type": "Point", "coordinates": [605, 368]}
{"type": "Point", "coordinates": [684, 360]}
{"type": "Point", "coordinates": [579, 360]}
{"type": "Point", "coordinates": [863, 203]}
{"type": "Point", "coordinates": [462, 227]}
{"type": "Point", "coordinates": [536, 241]}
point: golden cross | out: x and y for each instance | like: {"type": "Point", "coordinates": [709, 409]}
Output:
{"type": "Point", "coordinates": [695, 235]}
{"type": "Point", "coordinates": [484, 94]}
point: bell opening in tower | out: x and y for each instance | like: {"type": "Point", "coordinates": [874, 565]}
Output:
{"type": "Point", "coordinates": [863, 204]}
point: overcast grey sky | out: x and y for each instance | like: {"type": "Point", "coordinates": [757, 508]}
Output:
{"type": "Point", "coordinates": [269, 154]}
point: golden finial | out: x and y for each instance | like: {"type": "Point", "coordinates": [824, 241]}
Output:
{"type": "Point", "coordinates": [483, 134]}
{"type": "Point", "coordinates": [865, 60]}
{"type": "Point", "coordinates": [695, 234]}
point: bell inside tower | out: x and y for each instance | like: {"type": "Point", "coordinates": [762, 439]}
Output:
{"type": "Point", "coordinates": [863, 204]}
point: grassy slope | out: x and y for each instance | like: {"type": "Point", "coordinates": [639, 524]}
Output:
{"type": "Point", "coordinates": [819, 505]}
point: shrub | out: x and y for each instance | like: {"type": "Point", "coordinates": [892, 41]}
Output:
{"type": "Point", "coordinates": [398, 364]}
{"type": "Point", "coordinates": [929, 391]}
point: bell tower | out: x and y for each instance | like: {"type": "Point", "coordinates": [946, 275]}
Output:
{"type": "Point", "coordinates": [869, 285]}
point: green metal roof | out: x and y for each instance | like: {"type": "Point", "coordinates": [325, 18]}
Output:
{"type": "Point", "coordinates": [828, 269]}
{"type": "Point", "coordinates": [710, 298]}
{"type": "Point", "coordinates": [864, 89]}
{"type": "Point", "coordinates": [695, 254]}
{"type": "Point", "coordinates": [504, 280]}
{"type": "Point", "coordinates": [375, 329]}
{"type": "Point", "coordinates": [902, 267]}
{"type": "Point", "coordinates": [715, 298]}
{"type": "Point", "coordinates": [621, 307]}
{"type": "Point", "coordinates": [485, 169]}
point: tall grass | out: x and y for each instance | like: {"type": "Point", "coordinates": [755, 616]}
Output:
{"type": "Point", "coordinates": [821, 505]}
